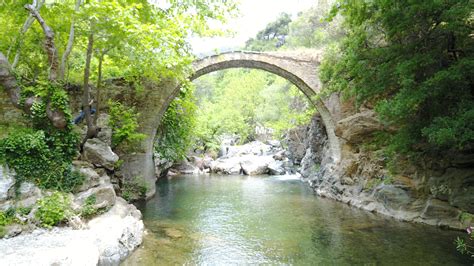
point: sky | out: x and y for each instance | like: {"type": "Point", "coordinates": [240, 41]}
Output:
{"type": "Point", "coordinates": [254, 16]}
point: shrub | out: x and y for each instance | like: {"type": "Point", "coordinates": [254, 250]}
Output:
{"type": "Point", "coordinates": [53, 209]}
{"type": "Point", "coordinates": [42, 154]}
{"type": "Point", "coordinates": [124, 124]}
{"type": "Point", "coordinates": [88, 209]}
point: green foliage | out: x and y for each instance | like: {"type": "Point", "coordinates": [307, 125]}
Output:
{"type": "Point", "coordinates": [134, 189]}
{"type": "Point", "coordinates": [414, 61]}
{"type": "Point", "coordinates": [124, 124]}
{"type": "Point", "coordinates": [42, 159]}
{"type": "Point", "coordinates": [43, 154]}
{"type": "Point", "coordinates": [88, 210]}
{"type": "Point", "coordinates": [174, 135]}
{"type": "Point", "coordinates": [141, 38]}
{"type": "Point", "coordinates": [53, 209]}
{"type": "Point", "coordinates": [272, 37]}
{"type": "Point", "coordinates": [466, 246]}
{"type": "Point", "coordinates": [234, 102]}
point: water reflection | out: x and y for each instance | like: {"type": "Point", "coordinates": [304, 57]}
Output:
{"type": "Point", "coordinates": [222, 220]}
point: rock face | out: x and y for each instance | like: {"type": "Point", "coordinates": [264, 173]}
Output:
{"type": "Point", "coordinates": [434, 192]}
{"type": "Point", "coordinates": [107, 241]}
{"type": "Point", "coordinates": [100, 154]}
{"type": "Point", "coordinates": [6, 183]}
{"type": "Point", "coordinates": [358, 127]}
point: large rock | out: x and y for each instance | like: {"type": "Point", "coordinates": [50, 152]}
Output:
{"type": "Point", "coordinates": [358, 127]}
{"type": "Point", "coordinates": [276, 168]}
{"type": "Point", "coordinates": [105, 133]}
{"type": "Point", "coordinates": [161, 165]}
{"type": "Point", "coordinates": [256, 165]}
{"type": "Point", "coordinates": [230, 166]}
{"type": "Point", "coordinates": [100, 154]}
{"type": "Point", "coordinates": [91, 178]}
{"type": "Point", "coordinates": [186, 168]}
{"type": "Point", "coordinates": [109, 239]}
{"type": "Point", "coordinates": [6, 182]}
{"type": "Point", "coordinates": [29, 193]}
{"type": "Point", "coordinates": [104, 196]}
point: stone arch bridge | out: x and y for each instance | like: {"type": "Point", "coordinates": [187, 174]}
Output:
{"type": "Point", "coordinates": [300, 68]}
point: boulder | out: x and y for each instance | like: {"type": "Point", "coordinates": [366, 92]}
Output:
{"type": "Point", "coordinates": [99, 154]}
{"type": "Point", "coordinates": [105, 133]}
{"type": "Point", "coordinates": [161, 165]}
{"type": "Point", "coordinates": [91, 178]}
{"type": "Point", "coordinates": [255, 165]}
{"type": "Point", "coordinates": [104, 197]}
{"type": "Point", "coordinates": [186, 168]}
{"type": "Point", "coordinates": [230, 166]}
{"type": "Point", "coordinates": [6, 182]}
{"type": "Point", "coordinates": [29, 193]}
{"type": "Point", "coordinates": [358, 127]}
{"type": "Point", "coordinates": [276, 168]}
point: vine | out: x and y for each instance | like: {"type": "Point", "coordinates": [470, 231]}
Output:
{"type": "Point", "coordinates": [43, 153]}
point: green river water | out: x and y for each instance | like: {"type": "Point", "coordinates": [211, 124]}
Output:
{"type": "Point", "coordinates": [242, 220]}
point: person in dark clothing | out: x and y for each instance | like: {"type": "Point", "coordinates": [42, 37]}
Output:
{"type": "Point", "coordinates": [82, 114]}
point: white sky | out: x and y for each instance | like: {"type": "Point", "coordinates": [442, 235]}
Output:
{"type": "Point", "coordinates": [255, 15]}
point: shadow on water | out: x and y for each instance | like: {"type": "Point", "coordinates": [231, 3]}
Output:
{"type": "Point", "coordinates": [222, 220]}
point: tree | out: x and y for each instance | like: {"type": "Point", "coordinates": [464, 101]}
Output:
{"type": "Point", "coordinates": [413, 61]}
{"type": "Point", "coordinates": [272, 37]}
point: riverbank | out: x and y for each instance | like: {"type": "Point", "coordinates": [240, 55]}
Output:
{"type": "Point", "coordinates": [105, 240]}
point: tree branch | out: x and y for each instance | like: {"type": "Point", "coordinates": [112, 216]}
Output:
{"type": "Point", "coordinates": [26, 26]}
{"type": "Point", "coordinates": [70, 43]}
{"type": "Point", "coordinates": [49, 45]}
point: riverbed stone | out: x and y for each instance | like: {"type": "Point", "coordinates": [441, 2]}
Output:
{"type": "Point", "coordinates": [100, 154]}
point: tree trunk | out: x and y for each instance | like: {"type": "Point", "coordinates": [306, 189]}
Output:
{"type": "Point", "coordinates": [8, 81]}
{"type": "Point", "coordinates": [99, 85]}
{"type": "Point", "coordinates": [70, 43]}
{"type": "Point", "coordinates": [91, 129]}
{"type": "Point", "coordinates": [49, 45]}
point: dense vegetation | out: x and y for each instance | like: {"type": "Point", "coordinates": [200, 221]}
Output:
{"type": "Point", "coordinates": [45, 46]}
{"type": "Point", "coordinates": [413, 61]}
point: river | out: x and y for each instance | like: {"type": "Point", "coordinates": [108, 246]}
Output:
{"type": "Point", "coordinates": [235, 220]}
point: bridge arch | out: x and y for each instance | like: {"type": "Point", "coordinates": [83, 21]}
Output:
{"type": "Point", "coordinates": [299, 69]}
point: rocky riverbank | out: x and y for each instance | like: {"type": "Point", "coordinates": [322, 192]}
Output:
{"type": "Point", "coordinates": [438, 193]}
{"type": "Point", "coordinates": [105, 240]}
{"type": "Point", "coordinates": [95, 226]}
